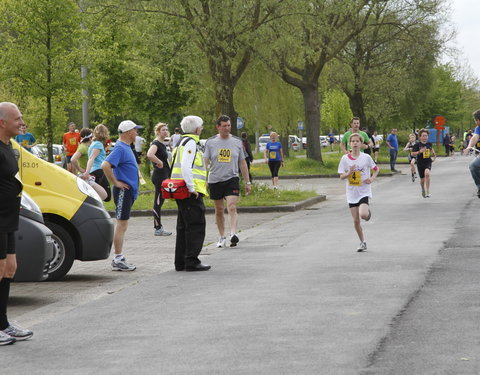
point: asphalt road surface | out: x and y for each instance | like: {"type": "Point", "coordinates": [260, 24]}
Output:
{"type": "Point", "coordinates": [294, 298]}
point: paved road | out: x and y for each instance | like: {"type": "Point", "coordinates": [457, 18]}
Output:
{"type": "Point", "coordinates": [294, 298]}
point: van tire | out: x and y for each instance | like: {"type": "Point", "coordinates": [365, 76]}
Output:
{"type": "Point", "coordinates": [63, 252]}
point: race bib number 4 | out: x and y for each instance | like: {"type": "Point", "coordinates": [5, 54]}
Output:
{"type": "Point", "coordinates": [426, 153]}
{"type": "Point", "coordinates": [355, 179]}
{"type": "Point", "coordinates": [224, 155]}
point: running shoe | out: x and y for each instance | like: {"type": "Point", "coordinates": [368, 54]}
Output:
{"type": "Point", "coordinates": [413, 177]}
{"type": "Point", "coordinates": [6, 339]}
{"type": "Point", "coordinates": [362, 247]}
{"type": "Point", "coordinates": [233, 240]}
{"type": "Point", "coordinates": [162, 232]}
{"type": "Point", "coordinates": [122, 265]}
{"type": "Point", "coordinates": [423, 193]}
{"type": "Point", "coordinates": [427, 194]}
{"type": "Point", "coordinates": [17, 332]}
{"type": "Point", "coordinates": [222, 242]}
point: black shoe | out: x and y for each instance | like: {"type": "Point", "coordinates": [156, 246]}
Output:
{"type": "Point", "coordinates": [179, 268]}
{"type": "Point", "coordinates": [198, 267]}
{"type": "Point", "coordinates": [478, 193]}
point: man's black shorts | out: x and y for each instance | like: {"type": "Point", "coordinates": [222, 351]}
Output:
{"type": "Point", "coordinates": [220, 190]}
{"type": "Point", "coordinates": [422, 167]}
{"type": "Point", "coordinates": [364, 200]}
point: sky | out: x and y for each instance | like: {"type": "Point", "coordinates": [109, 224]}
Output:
{"type": "Point", "coordinates": [465, 18]}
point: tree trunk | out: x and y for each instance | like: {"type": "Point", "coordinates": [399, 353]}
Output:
{"type": "Point", "coordinates": [312, 121]}
{"type": "Point", "coordinates": [357, 106]}
{"type": "Point", "coordinates": [225, 104]}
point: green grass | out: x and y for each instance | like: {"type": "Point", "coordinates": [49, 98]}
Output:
{"type": "Point", "coordinates": [261, 195]}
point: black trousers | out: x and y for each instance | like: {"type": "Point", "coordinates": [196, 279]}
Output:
{"type": "Point", "coordinates": [191, 225]}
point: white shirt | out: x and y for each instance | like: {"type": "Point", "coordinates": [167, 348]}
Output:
{"type": "Point", "coordinates": [356, 188]}
{"type": "Point", "coordinates": [139, 141]}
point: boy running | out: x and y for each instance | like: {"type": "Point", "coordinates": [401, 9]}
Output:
{"type": "Point", "coordinates": [356, 167]}
{"type": "Point", "coordinates": [423, 150]}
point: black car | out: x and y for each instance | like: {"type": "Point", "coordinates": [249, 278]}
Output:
{"type": "Point", "coordinates": [34, 243]}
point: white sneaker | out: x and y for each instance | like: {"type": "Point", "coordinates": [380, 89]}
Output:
{"type": "Point", "coordinates": [233, 240]}
{"type": "Point", "coordinates": [362, 247]}
{"type": "Point", "coordinates": [222, 242]}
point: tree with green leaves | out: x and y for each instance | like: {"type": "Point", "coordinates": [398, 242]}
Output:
{"type": "Point", "coordinates": [40, 57]}
{"type": "Point", "coordinates": [303, 43]}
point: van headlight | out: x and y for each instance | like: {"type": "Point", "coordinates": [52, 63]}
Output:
{"type": "Point", "coordinates": [28, 203]}
{"type": "Point", "coordinates": [87, 189]}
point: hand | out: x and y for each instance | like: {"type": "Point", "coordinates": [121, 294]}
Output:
{"type": "Point", "coordinates": [85, 175]}
{"type": "Point", "coordinates": [248, 189]}
{"type": "Point", "coordinates": [466, 151]}
{"type": "Point", "coordinates": [369, 180]}
{"type": "Point", "coordinates": [195, 193]}
{"type": "Point", "coordinates": [160, 164]}
{"type": "Point", "coordinates": [122, 185]}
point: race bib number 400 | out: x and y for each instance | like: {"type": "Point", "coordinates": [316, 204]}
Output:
{"type": "Point", "coordinates": [355, 179]}
{"type": "Point", "coordinates": [224, 155]}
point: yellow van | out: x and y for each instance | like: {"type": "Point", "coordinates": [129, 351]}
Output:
{"type": "Point", "coordinates": [82, 228]}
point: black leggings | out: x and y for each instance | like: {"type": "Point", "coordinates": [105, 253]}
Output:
{"type": "Point", "coordinates": [157, 179]}
{"type": "Point", "coordinates": [274, 166]}
{"type": "Point", "coordinates": [7, 244]}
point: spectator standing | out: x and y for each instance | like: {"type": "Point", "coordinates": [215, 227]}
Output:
{"type": "Point", "coordinates": [274, 157]}
{"type": "Point", "coordinates": [139, 142]}
{"type": "Point", "coordinates": [10, 189]}
{"type": "Point", "coordinates": [71, 140]}
{"type": "Point", "coordinates": [446, 143]}
{"type": "Point", "coordinates": [225, 155]}
{"type": "Point", "coordinates": [158, 155]}
{"type": "Point", "coordinates": [392, 143]}
{"type": "Point", "coordinates": [26, 139]}
{"type": "Point", "coordinates": [121, 169]}
{"type": "Point", "coordinates": [189, 166]}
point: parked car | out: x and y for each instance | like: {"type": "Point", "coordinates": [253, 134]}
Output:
{"type": "Point", "coordinates": [34, 243]}
{"type": "Point", "coordinates": [262, 141]}
{"type": "Point", "coordinates": [294, 142]}
{"type": "Point", "coordinates": [41, 151]}
{"type": "Point", "coordinates": [72, 210]}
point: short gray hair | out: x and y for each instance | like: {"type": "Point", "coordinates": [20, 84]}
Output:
{"type": "Point", "coordinates": [3, 109]}
{"type": "Point", "coordinates": [190, 123]}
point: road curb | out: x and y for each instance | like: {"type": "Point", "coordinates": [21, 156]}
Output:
{"type": "Point", "coordinates": [292, 207]}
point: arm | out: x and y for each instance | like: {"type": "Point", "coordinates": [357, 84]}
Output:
{"type": "Point", "coordinates": [151, 156]}
{"type": "Point", "coordinates": [345, 175]}
{"type": "Point", "coordinates": [107, 169]}
{"type": "Point", "coordinates": [281, 154]}
{"type": "Point", "coordinates": [342, 147]}
{"type": "Point", "coordinates": [369, 180]}
{"type": "Point", "coordinates": [246, 178]}
{"type": "Point", "coordinates": [472, 143]}
{"type": "Point", "coordinates": [265, 155]}
{"type": "Point", "coordinates": [91, 159]}
{"type": "Point", "coordinates": [76, 167]}
{"type": "Point", "coordinates": [434, 154]}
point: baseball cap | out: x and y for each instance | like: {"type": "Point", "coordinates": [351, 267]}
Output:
{"type": "Point", "coordinates": [127, 125]}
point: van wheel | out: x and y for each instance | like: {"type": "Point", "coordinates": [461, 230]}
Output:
{"type": "Point", "coordinates": [63, 252]}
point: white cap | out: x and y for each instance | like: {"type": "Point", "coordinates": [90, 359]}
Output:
{"type": "Point", "coordinates": [127, 125]}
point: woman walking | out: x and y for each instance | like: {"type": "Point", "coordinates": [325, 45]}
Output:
{"type": "Point", "coordinates": [274, 157]}
{"type": "Point", "coordinates": [158, 155]}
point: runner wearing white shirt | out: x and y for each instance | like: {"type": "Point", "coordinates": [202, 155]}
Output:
{"type": "Point", "coordinates": [355, 168]}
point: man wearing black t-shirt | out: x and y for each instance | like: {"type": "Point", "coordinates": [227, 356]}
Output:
{"type": "Point", "coordinates": [423, 150]}
{"type": "Point", "coordinates": [10, 192]}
